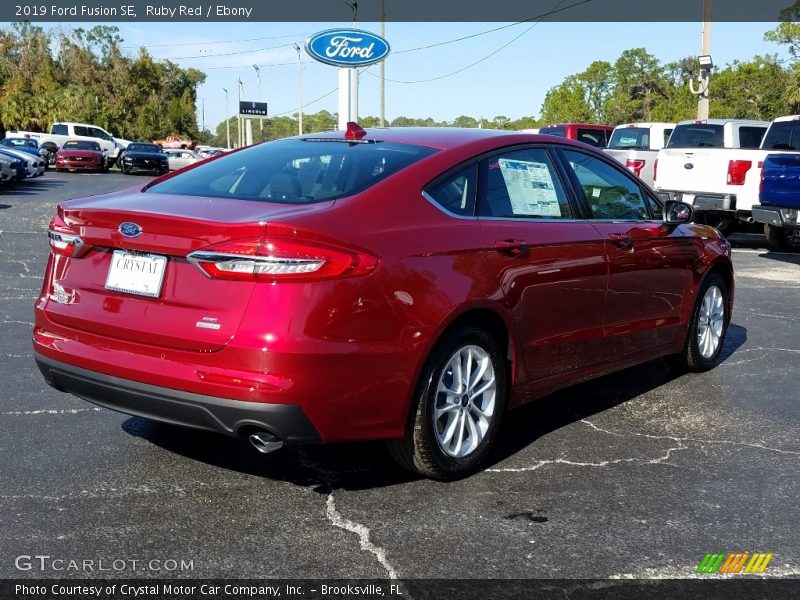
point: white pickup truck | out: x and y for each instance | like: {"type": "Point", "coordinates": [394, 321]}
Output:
{"type": "Point", "coordinates": [636, 146]}
{"type": "Point", "coordinates": [714, 165]}
{"type": "Point", "coordinates": [61, 132]}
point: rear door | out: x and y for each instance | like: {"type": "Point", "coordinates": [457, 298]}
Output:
{"type": "Point", "coordinates": [550, 262]}
{"type": "Point", "coordinates": [649, 262]}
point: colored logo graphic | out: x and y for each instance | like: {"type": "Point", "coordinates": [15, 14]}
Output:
{"type": "Point", "coordinates": [347, 47]}
{"type": "Point", "coordinates": [734, 562]}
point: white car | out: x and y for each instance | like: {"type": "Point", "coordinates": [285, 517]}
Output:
{"type": "Point", "coordinates": [34, 165]}
{"type": "Point", "coordinates": [7, 172]}
{"type": "Point", "coordinates": [179, 159]}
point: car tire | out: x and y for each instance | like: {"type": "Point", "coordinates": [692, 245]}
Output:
{"type": "Point", "coordinates": [782, 240]}
{"type": "Point", "coordinates": [441, 423]}
{"type": "Point", "coordinates": [123, 170]}
{"type": "Point", "coordinates": [708, 326]}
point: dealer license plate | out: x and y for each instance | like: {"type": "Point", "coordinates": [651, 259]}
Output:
{"type": "Point", "coordinates": [135, 273]}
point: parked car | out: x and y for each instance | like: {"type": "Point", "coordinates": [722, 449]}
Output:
{"type": "Point", "coordinates": [144, 156]}
{"type": "Point", "coordinates": [176, 142]}
{"type": "Point", "coordinates": [636, 146]}
{"type": "Point", "coordinates": [406, 284]}
{"type": "Point", "coordinates": [29, 145]}
{"type": "Point", "coordinates": [594, 135]}
{"type": "Point", "coordinates": [179, 159]}
{"type": "Point", "coordinates": [706, 164]}
{"type": "Point", "coordinates": [779, 198]}
{"type": "Point", "coordinates": [83, 155]}
{"type": "Point", "coordinates": [33, 165]}
{"type": "Point", "coordinates": [60, 133]}
{"type": "Point", "coordinates": [8, 169]}
{"type": "Point", "coordinates": [209, 152]}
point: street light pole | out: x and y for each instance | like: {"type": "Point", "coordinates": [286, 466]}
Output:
{"type": "Point", "coordinates": [227, 119]}
{"type": "Point", "coordinates": [706, 64]}
{"type": "Point", "coordinates": [238, 116]}
{"type": "Point", "coordinates": [299, 92]}
{"type": "Point", "coordinates": [383, 69]}
{"type": "Point", "coordinates": [261, 120]}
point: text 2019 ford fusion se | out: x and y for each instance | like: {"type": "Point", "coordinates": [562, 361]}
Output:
{"type": "Point", "coordinates": [409, 285]}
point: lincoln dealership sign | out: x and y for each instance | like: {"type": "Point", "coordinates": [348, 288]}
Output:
{"type": "Point", "coordinates": [347, 47]}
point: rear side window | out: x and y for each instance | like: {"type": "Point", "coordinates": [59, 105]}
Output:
{"type": "Point", "coordinates": [295, 171]}
{"type": "Point", "coordinates": [81, 130]}
{"type": "Point", "coordinates": [783, 135]}
{"type": "Point", "coordinates": [636, 138]}
{"type": "Point", "coordinates": [609, 192]}
{"type": "Point", "coordinates": [456, 193]}
{"type": "Point", "coordinates": [593, 137]}
{"type": "Point", "coordinates": [59, 129]}
{"type": "Point", "coordinates": [522, 184]}
{"type": "Point", "coordinates": [750, 137]}
{"type": "Point", "coordinates": [558, 131]}
{"type": "Point", "coordinates": [700, 135]}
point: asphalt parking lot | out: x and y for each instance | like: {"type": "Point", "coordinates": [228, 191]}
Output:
{"type": "Point", "coordinates": [636, 475]}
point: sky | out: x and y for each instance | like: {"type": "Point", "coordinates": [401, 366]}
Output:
{"type": "Point", "coordinates": [505, 72]}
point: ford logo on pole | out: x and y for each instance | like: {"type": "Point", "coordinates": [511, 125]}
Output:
{"type": "Point", "coordinates": [347, 47]}
{"type": "Point", "coordinates": [130, 230]}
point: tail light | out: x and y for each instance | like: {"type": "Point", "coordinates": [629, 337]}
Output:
{"type": "Point", "coordinates": [635, 166]}
{"type": "Point", "coordinates": [63, 241]}
{"type": "Point", "coordinates": [278, 259]}
{"type": "Point", "coordinates": [737, 171]}
{"type": "Point", "coordinates": [655, 169]}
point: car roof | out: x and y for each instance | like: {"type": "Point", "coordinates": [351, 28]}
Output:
{"type": "Point", "coordinates": [724, 121]}
{"type": "Point", "coordinates": [442, 138]}
{"type": "Point", "coordinates": [597, 125]}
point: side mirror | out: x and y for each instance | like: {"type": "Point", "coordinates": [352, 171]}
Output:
{"type": "Point", "coordinates": [676, 212]}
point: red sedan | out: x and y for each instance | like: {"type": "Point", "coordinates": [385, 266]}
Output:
{"type": "Point", "coordinates": [410, 285]}
{"type": "Point", "coordinates": [80, 154]}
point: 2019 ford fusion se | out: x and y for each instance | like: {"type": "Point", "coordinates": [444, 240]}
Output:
{"type": "Point", "coordinates": [408, 285]}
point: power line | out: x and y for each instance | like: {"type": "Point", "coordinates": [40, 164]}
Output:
{"type": "Point", "coordinates": [256, 39]}
{"type": "Point", "coordinates": [538, 20]}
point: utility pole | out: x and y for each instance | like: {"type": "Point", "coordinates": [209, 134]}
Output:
{"type": "Point", "coordinates": [261, 120]}
{"type": "Point", "coordinates": [706, 64]}
{"type": "Point", "coordinates": [239, 116]}
{"type": "Point", "coordinates": [227, 119]}
{"type": "Point", "coordinates": [383, 68]}
{"type": "Point", "coordinates": [299, 92]}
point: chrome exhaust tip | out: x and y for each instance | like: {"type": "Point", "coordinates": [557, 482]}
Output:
{"type": "Point", "coordinates": [265, 442]}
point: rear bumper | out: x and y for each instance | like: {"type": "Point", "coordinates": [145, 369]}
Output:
{"type": "Point", "coordinates": [209, 413]}
{"type": "Point", "coordinates": [706, 202]}
{"type": "Point", "coordinates": [772, 215]}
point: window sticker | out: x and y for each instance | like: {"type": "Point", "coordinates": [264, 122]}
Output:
{"type": "Point", "coordinates": [530, 188]}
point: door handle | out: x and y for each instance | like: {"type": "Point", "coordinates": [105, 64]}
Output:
{"type": "Point", "coordinates": [621, 240]}
{"type": "Point", "coordinates": [511, 247]}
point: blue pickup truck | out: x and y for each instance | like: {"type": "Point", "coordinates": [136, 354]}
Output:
{"type": "Point", "coordinates": [779, 198]}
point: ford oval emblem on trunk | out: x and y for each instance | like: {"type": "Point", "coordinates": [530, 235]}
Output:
{"type": "Point", "coordinates": [688, 166]}
{"type": "Point", "coordinates": [130, 230]}
{"type": "Point", "coordinates": [347, 47]}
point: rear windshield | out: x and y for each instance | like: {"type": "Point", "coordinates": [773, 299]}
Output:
{"type": "Point", "coordinates": [697, 136]}
{"type": "Point", "coordinates": [295, 171]}
{"type": "Point", "coordinates": [144, 148]}
{"type": "Point", "coordinates": [559, 131]}
{"type": "Point", "coordinates": [783, 135]}
{"type": "Point", "coordinates": [19, 142]}
{"type": "Point", "coordinates": [637, 138]}
{"type": "Point", "coordinates": [79, 145]}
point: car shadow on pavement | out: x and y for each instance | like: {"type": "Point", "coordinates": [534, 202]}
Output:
{"type": "Point", "coordinates": [34, 187]}
{"type": "Point", "coordinates": [2, 206]}
{"type": "Point", "coordinates": [786, 257]}
{"type": "Point", "coordinates": [367, 465]}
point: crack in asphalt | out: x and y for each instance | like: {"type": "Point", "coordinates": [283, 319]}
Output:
{"type": "Point", "coordinates": [66, 411]}
{"type": "Point", "coordinates": [362, 531]}
{"type": "Point", "coordinates": [746, 350]}
{"type": "Point", "coordinates": [326, 482]}
{"type": "Point", "coordinates": [562, 461]}
{"type": "Point", "coordinates": [689, 439]}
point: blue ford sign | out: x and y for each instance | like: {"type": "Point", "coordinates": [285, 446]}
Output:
{"type": "Point", "coordinates": [130, 230]}
{"type": "Point", "coordinates": [347, 47]}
